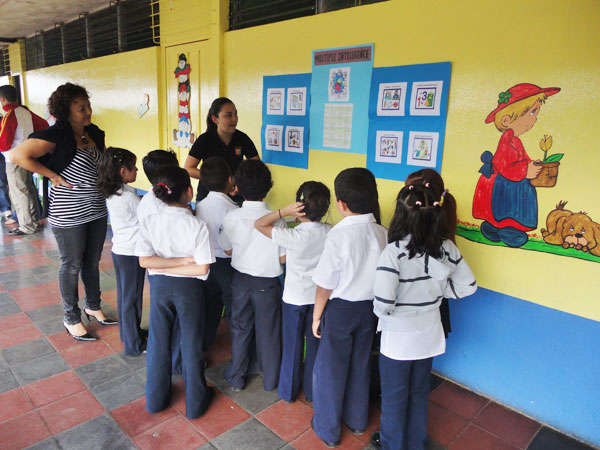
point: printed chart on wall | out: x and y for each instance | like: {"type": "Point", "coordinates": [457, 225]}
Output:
{"type": "Point", "coordinates": [284, 136]}
{"type": "Point", "coordinates": [407, 119]}
{"type": "Point", "coordinates": [341, 79]}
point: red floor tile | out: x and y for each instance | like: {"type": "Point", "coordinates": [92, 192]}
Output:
{"type": "Point", "coordinates": [134, 419]}
{"type": "Point", "coordinates": [14, 321]}
{"type": "Point", "coordinates": [102, 331]}
{"type": "Point", "coordinates": [25, 261]}
{"type": "Point", "coordinates": [22, 431]}
{"type": "Point", "coordinates": [85, 352]}
{"type": "Point", "coordinates": [175, 433]}
{"type": "Point", "coordinates": [222, 415]}
{"type": "Point", "coordinates": [110, 297]}
{"type": "Point", "coordinates": [53, 288]}
{"type": "Point", "coordinates": [509, 425]}
{"type": "Point", "coordinates": [310, 441]}
{"type": "Point", "coordinates": [297, 419]}
{"type": "Point", "coordinates": [14, 403]}
{"type": "Point", "coordinates": [458, 400]}
{"type": "Point", "coordinates": [475, 438]}
{"type": "Point", "coordinates": [372, 425]}
{"type": "Point", "coordinates": [114, 342]}
{"type": "Point", "coordinates": [34, 297]}
{"type": "Point", "coordinates": [20, 335]}
{"type": "Point", "coordinates": [54, 388]}
{"type": "Point", "coordinates": [70, 411]}
{"type": "Point", "coordinates": [442, 425]}
{"type": "Point", "coordinates": [62, 341]}
{"type": "Point", "coordinates": [44, 244]}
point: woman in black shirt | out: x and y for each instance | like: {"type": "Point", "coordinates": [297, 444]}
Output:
{"type": "Point", "coordinates": [223, 139]}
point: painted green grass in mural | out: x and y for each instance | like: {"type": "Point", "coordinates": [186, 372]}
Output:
{"type": "Point", "coordinates": [472, 233]}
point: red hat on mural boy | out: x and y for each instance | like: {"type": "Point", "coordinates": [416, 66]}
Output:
{"type": "Point", "coordinates": [519, 92]}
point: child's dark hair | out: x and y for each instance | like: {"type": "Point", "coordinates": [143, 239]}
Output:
{"type": "Point", "coordinates": [171, 183]}
{"type": "Point", "coordinates": [9, 93]}
{"type": "Point", "coordinates": [155, 160]}
{"type": "Point", "coordinates": [357, 188]}
{"type": "Point", "coordinates": [316, 198]}
{"type": "Point", "coordinates": [434, 181]}
{"type": "Point", "coordinates": [109, 169]}
{"type": "Point", "coordinates": [253, 179]}
{"type": "Point", "coordinates": [419, 214]}
{"type": "Point", "coordinates": [215, 173]}
{"type": "Point", "coordinates": [215, 109]}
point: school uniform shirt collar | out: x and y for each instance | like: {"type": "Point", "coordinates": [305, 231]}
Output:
{"type": "Point", "coordinates": [214, 195]}
{"type": "Point", "coordinates": [126, 188]}
{"type": "Point", "coordinates": [308, 225]}
{"type": "Point", "coordinates": [175, 210]}
{"type": "Point", "coordinates": [355, 220]}
{"type": "Point", "coordinates": [9, 106]}
{"type": "Point", "coordinates": [254, 204]}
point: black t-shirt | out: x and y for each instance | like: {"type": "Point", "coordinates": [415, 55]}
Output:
{"type": "Point", "coordinates": [210, 144]}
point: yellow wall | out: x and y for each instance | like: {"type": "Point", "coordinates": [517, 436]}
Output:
{"type": "Point", "coordinates": [116, 84]}
{"type": "Point", "coordinates": [543, 43]}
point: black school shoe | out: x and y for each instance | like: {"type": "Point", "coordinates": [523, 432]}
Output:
{"type": "Point", "coordinates": [376, 440]}
{"type": "Point", "coordinates": [327, 443]}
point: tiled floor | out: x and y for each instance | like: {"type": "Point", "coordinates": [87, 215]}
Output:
{"type": "Point", "coordinates": [57, 393]}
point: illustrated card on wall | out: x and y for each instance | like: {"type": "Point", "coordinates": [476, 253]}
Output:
{"type": "Point", "coordinates": [339, 108]}
{"type": "Point", "coordinates": [426, 97]}
{"type": "Point", "coordinates": [286, 124]}
{"type": "Point", "coordinates": [391, 99]}
{"type": "Point", "coordinates": [422, 149]}
{"type": "Point", "coordinates": [339, 84]}
{"type": "Point", "coordinates": [274, 137]}
{"type": "Point", "coordinates": [296, 101]}
{"type": "Point", "coordinates": [275, 101]}
{"type": "Point", "coordinates": [389, 147]}
{"type": "Point", "coordinates": [294, 137]}
{"type": "Point", "coordinates": [416, 115]}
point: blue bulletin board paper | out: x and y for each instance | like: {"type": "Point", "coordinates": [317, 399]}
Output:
{"type": "Point", "coordinates": [292, 124]}
{"type": "Point", "coordinates": [359, 87]}
{"type": "Point", "coordinates": [419, 124]}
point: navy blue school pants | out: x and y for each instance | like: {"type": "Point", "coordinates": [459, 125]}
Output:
{"type": "Point", "coordinates": [256, 311]}
{"type": "Point", "coordinates": [342, 367]}
{"type": "Point", "coordinates": [130, 289]}
{"type": "Point", "coordinates": [218, 293]}
{"type": "Point", "coordinates": [404, 400]}
{"type": "Point", "coordinates": [296, 325]}
{"type": "Point", "coordinates": [181, 298]}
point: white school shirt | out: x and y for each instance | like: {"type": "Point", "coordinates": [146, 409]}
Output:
{"type": "Point", "coordinates": [253, 253]}
{"type": "Point", "coordinates": [304, 245]}
{"type": "Point", "coordinates": [149, 205]}
{"type": "Point", "coordinates": [174, 233]}
{"type": "Point", "coordinates": [122, 208]}
{"type": "Point", "coordinates": [212, 210]}
{"type": "Point", "coordinates": [349, 259]}
{"type": "Point", "coordinates": [408, 293]}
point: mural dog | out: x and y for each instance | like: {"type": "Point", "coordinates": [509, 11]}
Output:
{"type": "Point", "coordinates": [570, 229]}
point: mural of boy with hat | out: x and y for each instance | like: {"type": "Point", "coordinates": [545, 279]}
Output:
{"type": "Point", "coordinates": [504, 197]}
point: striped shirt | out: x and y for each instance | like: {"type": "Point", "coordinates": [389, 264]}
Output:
{"type": "Point", "coordinates": [83, 202]}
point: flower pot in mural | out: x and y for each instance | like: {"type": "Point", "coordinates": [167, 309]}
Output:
{"type": "Point", "coordinates": [547, 176]}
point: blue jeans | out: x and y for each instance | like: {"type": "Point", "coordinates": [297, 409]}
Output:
{"type": "Point", "coordinates": [4, 198]}
{"type": "Point", "coordinates": [80, 249]}
{"type": "Point", "coordinates": [404, 400]}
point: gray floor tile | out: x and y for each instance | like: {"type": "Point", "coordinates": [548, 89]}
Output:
{"type": "Point", "coordinates": [141, 373]}
{"type": "Point", "coordinates": [8, 306]}
{"type": "Point", "coordinates": [20, 282]}
{"type": "Point", "coordinates": [53, 255]}
{"type": "Point", "coordinates": [103, 370]}
{"type": "Point", "coordinates": [18, 248]}
{"type": "Point", "coordinates": [135, 362]}
{"type": "Point", "coordinates": [7, 379]}
{"type": "Point", "coordinates": [46, 313]}
{"type": "Point", "coordinates": [39, 368]}
{"type": "Point", "coordinates": [101, 433]}
{"type": "Point", "coordinates": [251, 435]}
{"type": "Point", "coordinates": [206, 446]}
{"type": "Point", "coordinates": [21, 353]}
{"type": "Point", "coordinates": [48, 444]}
{"type": "Point", "coordinates": [120, 391]}
{"type": "Point", "coordinates": [52, 326]}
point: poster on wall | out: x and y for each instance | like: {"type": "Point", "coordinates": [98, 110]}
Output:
{"type": "Point", "coordinates": [340, 83]}
{"type": "Point", "coordinates": [285, 129]}
{"type": "Point", "coordinates": [412, 102]}
{"type": "Point", "coordinates": [182, 135]}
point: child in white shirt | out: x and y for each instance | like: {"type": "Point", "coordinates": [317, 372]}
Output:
{"type": "Point", "coordinates": [303, 245]}
{"type": "Point", "coordinates": [417, 269]}
{"type": "Point", "coordinates": [343, 316]}
{"type": "Point", "coordinates": [215, 176]}
{"type": "Point", "coordinates": [115, 169]}
{"type": "Point", "coordinates": [256, 306]}
{"type": "Point", "coordinates": [152, 162]}
{"type": "Point", "coordinates": [175, 248]}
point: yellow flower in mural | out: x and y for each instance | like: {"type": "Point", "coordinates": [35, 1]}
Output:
{"type": "Point", "coordinates": [545, 144]}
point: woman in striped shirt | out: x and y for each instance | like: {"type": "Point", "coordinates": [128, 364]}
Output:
{"type": "Point", "coordinates": [67, 153]}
